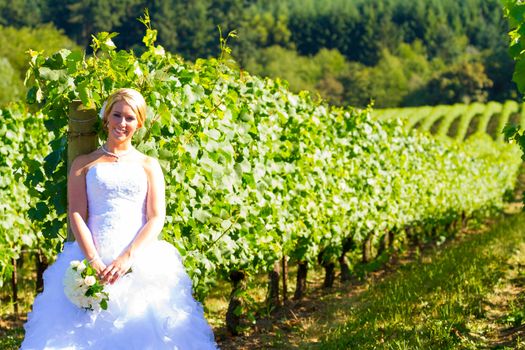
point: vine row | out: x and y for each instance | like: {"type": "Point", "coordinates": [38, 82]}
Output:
{"type": "Point", "coordinates": [258, 177]}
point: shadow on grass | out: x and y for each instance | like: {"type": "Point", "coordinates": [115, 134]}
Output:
{"type": "Point", "coordinates": [429, 304]}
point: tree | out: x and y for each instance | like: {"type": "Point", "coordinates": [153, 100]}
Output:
{"type": "Point", "coordinates": [499, 68]}
{"type": "Point", "coordinates": [10, 83]}
{"type": "Point", "coordinates": [82, 18]}
{"type": "Point", "coordinates": [14, 44]}
{"type": "Point", "coordinates": [22, 13]}
{"type": "Point", "coordinates": [261, 28]}
{"type": "Point", "coordinates": [465, 82]}
{"type": "Point", "coordinates": [389, 83]}
{"type": "Point", "coordinates": [301, 72]}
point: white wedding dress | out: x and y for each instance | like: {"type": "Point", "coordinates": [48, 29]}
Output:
{"type": "Point", "coordinates": [150, 308]}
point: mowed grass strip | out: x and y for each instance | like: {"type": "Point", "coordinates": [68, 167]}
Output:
{"type": "Point", "coordinates": [431, 303]}
{"type": "Point", "coordinates": [440, 301]}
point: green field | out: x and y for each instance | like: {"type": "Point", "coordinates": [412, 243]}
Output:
{"type": "Point", "coordinates": [459, 121]}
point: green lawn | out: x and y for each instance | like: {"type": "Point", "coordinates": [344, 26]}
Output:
{"type": "Point", "coordinates": [465, 296]}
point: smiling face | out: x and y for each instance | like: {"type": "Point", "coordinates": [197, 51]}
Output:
{"type": "Point", "coordinates": [122, 106]}
{"type": "Point", "coordinates": [122, 121]}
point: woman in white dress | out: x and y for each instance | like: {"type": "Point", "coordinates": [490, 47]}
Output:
{"type": "Point", "coordinates": [116, 210]}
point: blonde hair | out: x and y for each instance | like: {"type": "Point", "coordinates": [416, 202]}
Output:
{"type": "Point", "coordinates": [131, 97]}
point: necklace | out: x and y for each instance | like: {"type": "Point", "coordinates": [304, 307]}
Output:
{"type": "Point", "coordinates": [114, 155]}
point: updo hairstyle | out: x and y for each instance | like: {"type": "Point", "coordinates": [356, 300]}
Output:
{"type": "Point", "coordinates": [131, 97]}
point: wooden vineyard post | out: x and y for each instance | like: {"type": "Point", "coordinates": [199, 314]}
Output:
{"type": "Point", "coordinates": [329, 268]}
{"type": "Point", "coordinates": [273, 285]}
{"type": "Point", "coordinates": [348, 244]}
{"type": "Point", "coordinates": [302, 272]}
{"type": "Point", "coordinates": [464, 220]}
{"type": "Point", "coordinates": [41, 266]}
{"type": "Point", "coordinates": [391, 238]}
{"type": "Point", "coordinates": [285, 277]}
{"type": "Point", "coordinates": [329, 275]}
{"type": "Point", "coordinates": [14, 286]}
{"type": "Point", "coordinates": [82, 137]}
{"type": "Point", "coordinates": [384, 243]}
{"type": "Point", "coordinates": [367, 249]}
{"type": "Point", "coordinates": [233, 315]}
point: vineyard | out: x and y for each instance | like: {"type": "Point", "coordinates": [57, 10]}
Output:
{"type": "Point", "coordinates": [459, 121]}
{"type": "Point", "coordinates": [258, 178]}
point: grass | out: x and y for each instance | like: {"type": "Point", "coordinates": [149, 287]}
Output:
{"type": "Point", "coordinates": [463, 294]}
{"type": "Point", "coordinates": [440, 301]}
{"type": "Point", "coordinates": [11, 330]}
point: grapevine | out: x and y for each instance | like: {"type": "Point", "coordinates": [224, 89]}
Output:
{"type": "Point", "coordinates": [255, 173]}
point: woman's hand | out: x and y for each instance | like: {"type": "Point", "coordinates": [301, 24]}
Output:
{"type": "Point", "coordinates": [98, 265]}
{"type": "Point", "coordinates": [118, 268]}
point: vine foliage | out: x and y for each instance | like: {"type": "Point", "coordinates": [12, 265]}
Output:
{"type": "Point", "coordinates": [255, 173]}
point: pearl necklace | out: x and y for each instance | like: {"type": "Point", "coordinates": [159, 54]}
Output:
{"type": "Point", "coordinates": [114, 155]}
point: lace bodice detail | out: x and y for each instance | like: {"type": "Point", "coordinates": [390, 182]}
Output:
{"type": "Point", "coordinates": [116, 195]}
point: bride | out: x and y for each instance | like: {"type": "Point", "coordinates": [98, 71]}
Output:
{"type": "Point", "coordinates": [116, 210]}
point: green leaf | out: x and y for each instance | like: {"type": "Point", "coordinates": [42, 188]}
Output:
{"type": "Point", "coordinates": [165, 114]}
{"type": "Point", "coordinates": [165, 154]}
{"type": "Point", "coordinates": [84, 93]}
{"type": "Point", "coordinates": [51, 74]}
{"type": "Point", "coordinates": [510, 130]}
{"type": "Point", "coordinates": [150, 38]}
{"type": "Point", "coordinates": [39, 212]}
{"type": "Point", "coordinates": [516, 11]}
{"type": "Point", "coordinates": [73, 61]}
{"type": "Point", "coordinates": [51, 161]}
{"type": "Point", "coordinates": [34, 178]}
{"type": "Point", "coordinates": [519, 75]}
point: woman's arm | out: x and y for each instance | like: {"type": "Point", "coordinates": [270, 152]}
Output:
{"type": "Point", "coordinates": [155, 214]}
{"type": "Point", "coordinates": [77, 212]}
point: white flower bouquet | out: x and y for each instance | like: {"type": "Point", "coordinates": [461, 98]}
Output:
{"type": "Point", "coordinates": [83, 288]}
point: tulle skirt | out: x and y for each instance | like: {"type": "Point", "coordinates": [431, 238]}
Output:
{"type": "Point", "coordinates": [150, 308]}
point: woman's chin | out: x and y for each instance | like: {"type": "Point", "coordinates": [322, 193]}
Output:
{"type": "Point", "coordinates": [119, 136]}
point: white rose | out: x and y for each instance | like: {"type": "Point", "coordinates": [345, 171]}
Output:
{"type": "Point", "coordinates": [81, 267]}
{"type": "Point", "coordinates": [90, 280]}
{"type": "Point", "coordinates": [74, 263]}
{"type": "Point", "coordinates": [79, 282]}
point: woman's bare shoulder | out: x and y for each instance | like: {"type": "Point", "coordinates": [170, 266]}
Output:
{"type": "Point", "coordinates": [83, 162]}
{"type": "Point", "coordinates": [151, 162]}
{"type": "Point", "coordinates": [151, 165]}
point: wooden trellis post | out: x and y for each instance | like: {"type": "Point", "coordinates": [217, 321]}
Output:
{"type": "Point", "coordinates": [82, 137]}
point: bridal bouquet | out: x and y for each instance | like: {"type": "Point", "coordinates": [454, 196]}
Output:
{"type": "Point", "coordinates": [83, 288]}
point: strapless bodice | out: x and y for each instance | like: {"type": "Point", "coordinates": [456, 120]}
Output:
{"type": "Point", "coordinates": [149, 308]}
{"type": "Point", "coordinates": [116, 195]}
